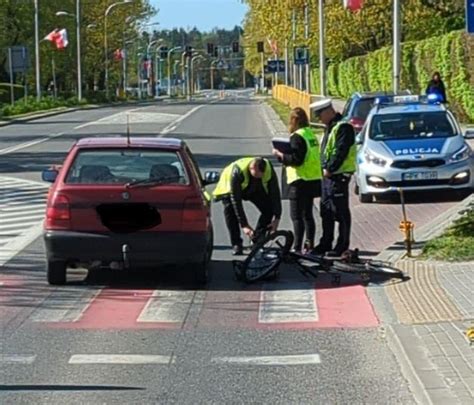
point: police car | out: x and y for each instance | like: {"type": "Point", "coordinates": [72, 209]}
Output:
{"type": "Point", "coordinates": [414, 143]}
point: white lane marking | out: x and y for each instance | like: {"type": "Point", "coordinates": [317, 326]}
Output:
{"type": "Point", "coordinates": [18, 225]}
{"type": "Point", "coordinates": [15, 210]}
{"type": "Point", "coordinates": [285, 360]}
{"type": "Point", "coordinates": [120, 359]}
{"type": "Point", "coordinates": [22, 182]}
{"type": "Point", "coordinates": [8, 218]}
{"type": "Point", "coordinates": [171, 127]}
{"type": "Point", "coordinates": [29, 144]}
{"type": "Point", "coordinates": [16, 245]}
{"type": "Point", "coordinates": [16, 359]}
{"type": "Point", "coordinates": [167, 306]}
{"type": "Point", "coordinates": [296, 303]}
{"type": "Point", "coordinates": [65, 305]}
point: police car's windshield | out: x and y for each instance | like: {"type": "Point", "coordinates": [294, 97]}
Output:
{"type": "Point", "coordinates": [413, 125]}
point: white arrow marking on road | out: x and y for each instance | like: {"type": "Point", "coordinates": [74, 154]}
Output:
{"type": "Point", "coordinates": [120, 359]}
{"type": "Point", "coordinates": [288, 360]}
{"type": "Point", "coordinates": [171, 127]}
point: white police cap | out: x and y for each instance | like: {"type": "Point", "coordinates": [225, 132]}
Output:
{"type": "Point", "coordinates": [320, 105]}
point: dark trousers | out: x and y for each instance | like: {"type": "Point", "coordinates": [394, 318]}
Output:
{"type": "Point", "coordinates": [301, 213]}
{"type": "Point", "coordinates": [335, 207]}
{"type": "Point", "coordinates": [263, 204]}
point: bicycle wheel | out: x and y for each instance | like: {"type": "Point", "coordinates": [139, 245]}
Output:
{"type": "Point", "coordinates": [384, 269]}
{"type": "Point", "coordinates": [266, 255]}
{"type": "Point", "coordinates": [369, 268]}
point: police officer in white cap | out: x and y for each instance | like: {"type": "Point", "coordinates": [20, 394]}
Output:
{"type": "Point", "coordinates": [338, 159]}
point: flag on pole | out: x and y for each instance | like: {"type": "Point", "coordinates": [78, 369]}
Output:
{"type": "Point", "coordinates": [119, 54]}
{"type": "Point", "coordinates": [353, 5]}
{"type": "Point", "coordinates": [273, 45]}
{"type": "Point", "coordinates": [58, 37]}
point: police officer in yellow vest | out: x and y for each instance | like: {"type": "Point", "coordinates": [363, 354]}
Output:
{"type": "Point", "coordinates": [254, 180]}
{"type": "Point", "coordinates": [303, 176]}
{"type": "Point", "coordinates": [338, 156]}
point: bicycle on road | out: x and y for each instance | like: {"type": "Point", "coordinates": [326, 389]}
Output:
{"type": "Point", "coordinates": [270, 251]}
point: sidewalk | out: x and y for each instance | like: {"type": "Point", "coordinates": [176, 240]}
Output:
{"type": "Point", "coordinates": [431, 313]}
{"type": "Point", "coordinates": [424, 319]}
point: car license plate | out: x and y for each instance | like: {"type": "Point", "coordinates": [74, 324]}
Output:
{"type": "Point", "coordinates": [420, 176]}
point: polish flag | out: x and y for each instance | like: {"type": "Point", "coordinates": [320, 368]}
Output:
{"type": "Point", "coordinates": [353, 5]}
{"type": "Point", "coordinates": [58, 37]}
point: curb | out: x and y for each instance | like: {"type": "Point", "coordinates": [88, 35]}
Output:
{"type": "Point", "coordinates": [396, 251]}
{"type": "Point", "coordinates": [61, 110]}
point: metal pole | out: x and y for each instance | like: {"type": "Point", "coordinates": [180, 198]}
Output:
{"type": "Point", "coordinates": [188, 78]}
{"type": "Point", "coordinates": [293, 37]}
{"type": "Point", "coordinates": [10, 67]}
{"type": "Point", "coordinates": [396, 45]}
{"type": "Point", "coordinates": [244, 84]}
{"type": "Point", "coordinates": [53, 68]}
{"type": "Point", "coordinates": [322, 57]}
{"type": "Point", "coordinates": [286, 62]}
{"type": "Point", "coordinates": [37, 53]}
{"type": "Point", "coordinates": [106, 59]}
{"type": "Point", "coordinates": [306, 35]}
{"type": "Point", "coordinates": [139, 84]}
{"type": "Point", "coordinates": [124, 71]}
{"type": "Point", "coordinates": [78, 33]}
{"type": "Point", "coordinates": [263, 71]}
{"type": "Point", "coordinates": [212, 77]}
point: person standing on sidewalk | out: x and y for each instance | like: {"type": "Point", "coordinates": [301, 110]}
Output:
{"type": "Point", "coordinates": [254, 180]}
{"type": "Point", "coordinates": [338, 157]}
{"type": "Point", "coordinates": [436, 86]}
{"type": "Point", "coordinates": [303, 176]}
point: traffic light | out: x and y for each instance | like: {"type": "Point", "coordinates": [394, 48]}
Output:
{"type": "Point", "coordinates": [189, 51]}
{"type": "Point", "coordinates": [216, 52]}
{"type": "Point", "coordinates": [235, 47]}
{"type": "Point", "coordinates": [260, 48]}
{"type": "Point", "coordinates": [210, 49]}
{"type": "Point", "coordinates": [163, 52]}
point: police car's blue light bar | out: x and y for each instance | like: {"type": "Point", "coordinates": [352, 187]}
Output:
{"type": "Point", "coordinates": [408, 99]}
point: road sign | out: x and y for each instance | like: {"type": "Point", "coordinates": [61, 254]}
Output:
{"type": "Point", "coordinates": [221, 64]}
{"type": "Point", "coordinates": [19, 62]}
{"type": "Point", "coordinates": [470, 16]}
{"type": "Point", "coordinates": [301, 56]}
{"type": "Point", "coordinates": [275, 66]}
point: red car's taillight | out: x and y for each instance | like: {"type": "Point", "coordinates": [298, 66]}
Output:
{"type": "Point", "coordinates": [195, 215]}
{"type": "Point", "coordinates": [58, 214]}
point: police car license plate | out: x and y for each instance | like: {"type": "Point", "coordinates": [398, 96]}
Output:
{"type": "Point", "coordinates": [420, 176]}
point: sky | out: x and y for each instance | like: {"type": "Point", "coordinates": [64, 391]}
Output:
{"type": "Point", "coordinates": [204, 14]}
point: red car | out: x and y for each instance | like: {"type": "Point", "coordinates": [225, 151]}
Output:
{"type": "Point", "coordinates": [128, 203]}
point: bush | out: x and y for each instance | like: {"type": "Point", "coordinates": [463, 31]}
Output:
{"type": "Point", "coordinates": [450, 54]}
{"type": "Point", "coordinates": [31, 105]}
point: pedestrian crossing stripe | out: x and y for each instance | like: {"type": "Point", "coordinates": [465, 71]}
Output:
{"type": "Point", "coordinates": [291, 305]}
{"type": "Point", "coordinates": [22, 210]}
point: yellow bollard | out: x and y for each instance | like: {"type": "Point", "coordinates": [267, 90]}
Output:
{"type": "Point", "coordinates": [470, 335]}
{"type": "Point", "coordinates": [406, 226]}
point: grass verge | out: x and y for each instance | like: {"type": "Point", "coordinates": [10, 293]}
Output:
{"type": "Point", "coordinates": [456, 243]}
{"type": "Point", "coordinates": [281, 109]}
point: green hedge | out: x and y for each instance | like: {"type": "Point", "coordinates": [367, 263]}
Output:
{"type": "Point", "coordinates": [449, 54]}
{"type": "Point", "coordinates": [31, 104]}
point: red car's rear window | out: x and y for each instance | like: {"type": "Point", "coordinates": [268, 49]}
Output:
{"type": "Point", "coordinates": [121, 166]}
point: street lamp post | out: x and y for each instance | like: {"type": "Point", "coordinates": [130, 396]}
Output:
{"type": "Point", "coordinates": [78, 36]}
{"type": "Point", "coordinates": [158, 70]}
{"type": "Point", "coordinates": [396, 45]}
{"type": "Point", "coordinates": [183, 71]}
{"type": "Point", "coordinates": [37, 53]}
{"type": "Point", "coordinates": [175, 72]}
{"type": "Point", "coordinates": [176, 48]}
{"type": "Point", "coordinates": [192, 72]}
{"type": "Point", "coordinates": [107, 11]}
{"type": "Point", "coordinates": [322, 57]}
{"type": "Point", "coordinates": [150, 69]}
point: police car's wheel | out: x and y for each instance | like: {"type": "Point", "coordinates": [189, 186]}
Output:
{"type": "Point", "coordinates": [365, 198]}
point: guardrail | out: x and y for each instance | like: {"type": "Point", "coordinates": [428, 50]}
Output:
{"type": "Point", "coordinates": [292, 97]}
